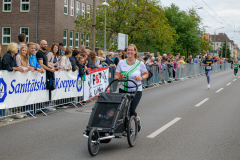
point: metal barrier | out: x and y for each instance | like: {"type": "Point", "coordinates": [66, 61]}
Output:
{"type": "Point", "coordinates": [166, 74]}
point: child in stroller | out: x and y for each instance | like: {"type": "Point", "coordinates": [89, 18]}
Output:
{"type": "Point", "coordinates": [106, 120]}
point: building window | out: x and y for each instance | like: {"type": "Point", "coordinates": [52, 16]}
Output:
{"type": "Point", "coordinates": [87, 40]}
{"type": "Point", "coordinates": [77, 40]}
{"type": "Point", "coordinates": [25, 6]}
{"type": "Point", "coordinates": [65, 37]}
{"type": "Point", "coordinates": [82, 38]}
{"type": "Point", "coordinates": [88, 11]}
{"type": "Point", "coordinates": [6, 35]}
{"type": "Point", "coordinates": [72, 8]}
{"type": "Point", "coordinates": [65, 7]}
{"type": "Point", "coordinates": [83, 10]}
{"type": "Point", "coordinates": [71, 38]}
{"type": "Point", "coordinates": [78, 9]}
{"type": "Point", "coordinates": [25, 30]}
{"type": "Point", "coordinates": [7, 5]}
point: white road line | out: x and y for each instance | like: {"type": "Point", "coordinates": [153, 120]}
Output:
{"type": "Point", "coordinates": [199, 104]}
{"type": "Point", "coordinates": [163, 128]}
{"type": "Point", "coordinates": [234, 80]}
{"type": "Point", "coordinates": [228, 84]}
{"type": "Point", "coordinates": [219, 90]}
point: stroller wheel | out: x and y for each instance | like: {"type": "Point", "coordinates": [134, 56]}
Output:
{"type": "Point", "coordinates": [132, 131]}
{"type": "Point", "coordinates": [93, 142]}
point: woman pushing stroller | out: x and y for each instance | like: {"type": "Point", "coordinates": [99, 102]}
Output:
{"type": "Point", "coordinates": [132, 69]}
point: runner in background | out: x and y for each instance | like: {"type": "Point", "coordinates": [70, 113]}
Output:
{"type": "Point", "coordinates": [235, 67]}
{"type": "Point", "coordinates": [208, 63]}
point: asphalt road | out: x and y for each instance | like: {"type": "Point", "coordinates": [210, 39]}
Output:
{"type": "Point", "coordinates": [192, 123]}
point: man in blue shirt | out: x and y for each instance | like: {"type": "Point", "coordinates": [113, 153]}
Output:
{"type": "Point", "coordinates": [196, 59]}
{"type": "Point", "coordinates": [32, 58]}
{"type": "Point", "coordinates": [208, 63]}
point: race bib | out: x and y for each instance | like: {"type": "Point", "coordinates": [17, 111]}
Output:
{"type": "Point", "coordinates": [208, 67]}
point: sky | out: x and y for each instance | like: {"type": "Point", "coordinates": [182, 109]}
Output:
{"type": "Point", "coordinates": [214, 15]}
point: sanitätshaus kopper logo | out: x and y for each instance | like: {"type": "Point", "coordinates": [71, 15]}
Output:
{"type": "Point", "coordinates": [3, 90]}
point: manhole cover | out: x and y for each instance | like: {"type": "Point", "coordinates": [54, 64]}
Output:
{"type": "Point", "coordinates": [84, 111]}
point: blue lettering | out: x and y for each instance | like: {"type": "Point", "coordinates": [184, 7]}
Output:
{"type": "Point", "coordinates": [17, 88]}
{"type": "Point", "coordinates": [11, 92]}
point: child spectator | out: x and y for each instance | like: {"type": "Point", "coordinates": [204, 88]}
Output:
{"type": "Point", "coordinates": [22, 59]}
{"type": "Point", "coordinates": [81, 67]}
{"type": "Point", "coordinates": [64, 60]}
{"type": "Point", "coordinates": [73, 59]}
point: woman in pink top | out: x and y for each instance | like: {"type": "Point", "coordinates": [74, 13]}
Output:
{"type": "Point", "coordinates": [22, 59]}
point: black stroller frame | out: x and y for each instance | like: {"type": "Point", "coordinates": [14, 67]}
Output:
{"type": "Point", "coordinates": [100, 130]}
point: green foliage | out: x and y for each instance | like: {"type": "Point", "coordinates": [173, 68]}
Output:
{"type": "Point", "coordinates": [222, 51]}
{"type": "Point", "coordinates": [143, 20]}
{"type": "Point", "coordinates": [189, 34]}
{"type": "Point", "coordinates": [149, 26]}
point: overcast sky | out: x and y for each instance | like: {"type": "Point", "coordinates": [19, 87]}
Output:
{"type": "Point", "coordinates": [225, 12]}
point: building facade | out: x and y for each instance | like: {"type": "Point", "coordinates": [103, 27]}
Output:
{"type": "Point", "coordinates": [51, 20]}
{"type": "Point", "coordinates": [219, 40]}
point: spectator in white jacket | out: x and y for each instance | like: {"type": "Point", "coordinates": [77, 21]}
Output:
{"type": "Point", "coordinates": [64, 60]}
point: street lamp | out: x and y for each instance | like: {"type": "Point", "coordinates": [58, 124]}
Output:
{"type": "Point", "coordinates": [106, 5]}
{"type": "Point", "coordinates": [215, 35]}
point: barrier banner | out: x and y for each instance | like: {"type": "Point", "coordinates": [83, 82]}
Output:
{"type": "Point", "coordinates": [20, 89]}
{"type": "Point", "coordinates": [96, 82]}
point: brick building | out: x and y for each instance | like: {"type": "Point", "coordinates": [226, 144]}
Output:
{"type": "Point", "coordinates": [52, 20]}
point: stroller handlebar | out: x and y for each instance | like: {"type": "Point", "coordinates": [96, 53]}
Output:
{"type": "Point", "coordinates": [123, 80]}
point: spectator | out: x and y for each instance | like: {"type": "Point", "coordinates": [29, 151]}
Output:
{"type": "Point", "coordinates": [54, 55]}
{"type": "Point", "coordinates": [9, 59]}
{"type": "Point", "coordinates": [157, 55]}
{"type": "Point", "coordinates": [177, 55]}
{"type": "Point", "coordinates": [88, 51]}
{"type": "Point", "coordinates": [119, 57]}
{"type": "Point", "coordinates": [101, 57]}
{"type": "Point", "coordinates": [189, 59]}
{"type": "Point", "coordinates": [22, 59]}
{"type": "Point", "coordinates": [91, 59]}
{"type": "Point", "coordinates": [33, 59]}
{"type": "Point", "coordinates": [144, 55]}
{"type": "Point", "coordinates": [61, 49]}
{"type": "Point", "coordinates": [82, 50]}
{"type": "Point", "coordinates": [81, 67]}
{"type": "Point", "coordinates": [64, 49]}
{"type": "Point", "coordinates": [196, 59]}
{"type": "Point", "coordinates": [73, 59]}
{"type": "Point", "coordinates": [64, 60]}
{"type": "Point", "coordinates": [42, 57]}
{"type": "Point", "coordinates": [109, 60]}
{"type": "Point", "coordinates": [37, 47]}
{"type": "Point", "coordinates": [22, 40]}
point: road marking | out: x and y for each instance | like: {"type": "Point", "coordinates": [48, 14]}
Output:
{"type": "Point", "coordinates": [163, 128]}
{"type": "Point", "coordinates": [219, 90]}
{"type": "Point", "coordinates": [199, 104]}
{"type": "Point", "coordinates": [234, 80]}
{"type": "Point", "coordinates": [228, 84]}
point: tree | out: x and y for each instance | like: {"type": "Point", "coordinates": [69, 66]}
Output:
{"type": "Point", "coordinates": [143, 20]}
{"type": "Point", "coordinates": [222, 50]}
{"type": "Point", "coordinates": [186, 25]}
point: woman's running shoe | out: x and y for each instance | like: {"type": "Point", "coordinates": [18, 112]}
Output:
{"type": "Point", "coordinates": [139, 124]}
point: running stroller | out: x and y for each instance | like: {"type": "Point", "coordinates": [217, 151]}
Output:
{"type": "Point", "coordinates": [110, 118]}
